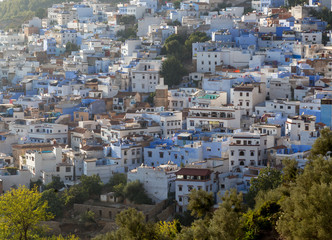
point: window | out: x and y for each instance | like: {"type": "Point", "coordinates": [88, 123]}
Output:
{"type": "Point", "coordinates": [161, 154]}
{"type": "Point", "coordinates": [208, 149]}
{"type": "Point", "coordinates": [180, 199]}
{"type": "Point", "coordinates": [190, 188]}
{"type": "Point", "coordinates": [247, 94]}
{"type": "Point", "coordinates": [58, 169]}
{"type": "Point", "coordinates": [68, 169]}
{"type": "Point", "coordinates": [125, 153]}
{"type": "Point", "coordinates": [232, 153]}
{"type": "Point", "coordinates": [241, 153]}
{"type": "Point", "coordinates": [180, 188]}
{"type": "Point", "coordinates": [240, 94]}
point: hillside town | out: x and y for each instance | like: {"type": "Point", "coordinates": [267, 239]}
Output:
{"type": "Point", "coordinates": [175, 95]}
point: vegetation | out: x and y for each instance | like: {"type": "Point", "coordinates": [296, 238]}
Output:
{"type": "Point", "coordinates": [172, 71]}
{"type": "Point", "coordinates": [178, 49]}
{"type": "Point", "coordinates": [21, 211]}
{"type": "Point", "coordinates": [55, 202]}
{"type": "Point", "coordinates": [128, 33]}
{"type": "Point", "coordinates": [135, 192]}
{"type": "Point", "coordinates": [56, 184]}
{"type": "Point", "coordinates": [71, 47]}
{"type": "Point", "coordinates": [200, 203]}
{"type": "Point", "coordinates": [292, 204]}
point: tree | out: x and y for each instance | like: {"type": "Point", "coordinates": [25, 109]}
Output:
{"type": "Point", "coordinates": [12, 170]}
{"type": "Point", "coordinates": [198, 230]}
{"type": "Point", "coordinates": [167, 230]}
{"type": "Point", "coordinates": [60, 237]}
{"type": "Point", "coordinates": [227, 219]}
{"type": "Point", "coordinates": [268, 178]}
{"type": "Point", "coordinates": [290, 170]}
{"type": "Point", "coordinates": [323, 144]}
{"type": "Point", "coordinates": [194, 38]}
{"type": "Point", "coordinates": [55, 203]}
{"type": "Point", "coordinates": [75, 194]}
{"type": "Point", "coordinates": [128, 19]}
{"type": "Point", "coordinates": [92, 184]}
{"type": "Point", "coordinates": [177, 4]}
{"type": "Point", "coordinates": [128, 33]}
{"type": "Point", "coordinates": [200, 203]}
{"type": "Point", "coordinates": [41, 13]}
{"type": "Point", "coordinates": [21, 211]}
{"type": "Point", "coordinates": [131, 224]}
{"type": "Point", "coordinates": [261, 220]}
{"type": "Point", "coordinates": [172, 70]}
{"type": "Point", "coordinates": [117, 179]}
{"type": "Point", "coordinates": [306, 213]}
{"type": "Point", "coordinates": [135, 192]}
{"type": "Point", "coordinates": [70, 47]}
{"type": "Point", "coordinates": [175, 48]}
{"type": "Point", "coordinates": [56, 183]}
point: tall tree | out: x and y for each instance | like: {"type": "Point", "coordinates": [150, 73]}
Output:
{"type": "Point", "coordinates": [200, 203]}
{"type": "Point", "coordinates": [55, 202]}
{"type": "Point", "coordinates": [268, 178]}
{"type": "Point", "coordinates": [226, 221]}
{"type": "Point", "coordinates": [135, 192]}
{"type": "Point", "coordinates": [306, 213]}
{"type": "Point", "coordinates": [323, 144]}
{"type": "Point", "coordinates": [21, 211]}
{"type": "Point", "coordinates": [172, 71]}
{"type": "Point", "coordinates": [92, 184]}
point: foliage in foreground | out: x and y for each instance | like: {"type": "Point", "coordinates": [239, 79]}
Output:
{"type": "Point", "coordinates": [288, 204]}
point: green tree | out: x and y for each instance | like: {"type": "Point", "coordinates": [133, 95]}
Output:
{"type": "Point", "coordinates": [60, 237]}
{"type": "Point", "coordinates": [56, 183]}
{"type": "Point", "coordinates": [55, 202]}
{"type": "Point", "coordinates": [226, 222]}
{"type": "Point", "coordinates": [167, 230]}
{"type": "Point", "coordinates": [71, 47]}
{"type": "Point", "coordinates": [131, 224]}
{"type": "Point", "coordinates": [172, 70]}
{"type": "Point", "coordinates": [41, 13]}
{"type": "Point", "coordinates": [135, 192]}
{"type": "Point", "coordinates": [21, 211]}
{"type": "Point", "coordinates": [268, 178]}
{"type": "Point", "coordinates": [194, 38]}
{"type": "Point", "coordinates": [259, 221]}
{"type": "Point", "coordinates": [12, 170]}
{"type": "Point", "coordinates": [177, 4]}
{"type": "Point", "coordinates": [175, 48]}
{"type": "Point", "coordinates": [323, 144]}
{"type": "Point", "coordinates": [290, 170]}
{"type": "Point", "coordinates": [128, 19]}
{"type": "Point", "coordinates": [75, 194]}
{"type": "Point", "coordinates": [128, 33]}
{"type": "Point", "coordinates": [199, 230]}
{"type": "Point", "coordinates": [117, 179]}
{"type": "Point", "coordinates": [200, 203]}
{"type": "Point", "coordinates": [306, 213]}
{"type": "Point", "coordinates": [92, 184]}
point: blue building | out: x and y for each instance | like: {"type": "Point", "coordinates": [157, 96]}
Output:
{"type": "Point", "coordinates": [326, 112]}
{"type": "Point", "coordinates": [50, 46]}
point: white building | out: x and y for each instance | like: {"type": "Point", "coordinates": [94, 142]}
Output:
{"type": "Point", "coordinates": [145, 76]}
{"type": "Point", "coordinates": [45, 164]}
{"type": "Point", "coordinates": [248, 96]}
{"type": "Point", "coordinates": [158, 181]}
{"type": "Point", "coordinates": [188, 179]}
{"type": "Point", "coordinates": [249, 149]}
{"type": "Point", "coordinates": [295, 126]}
